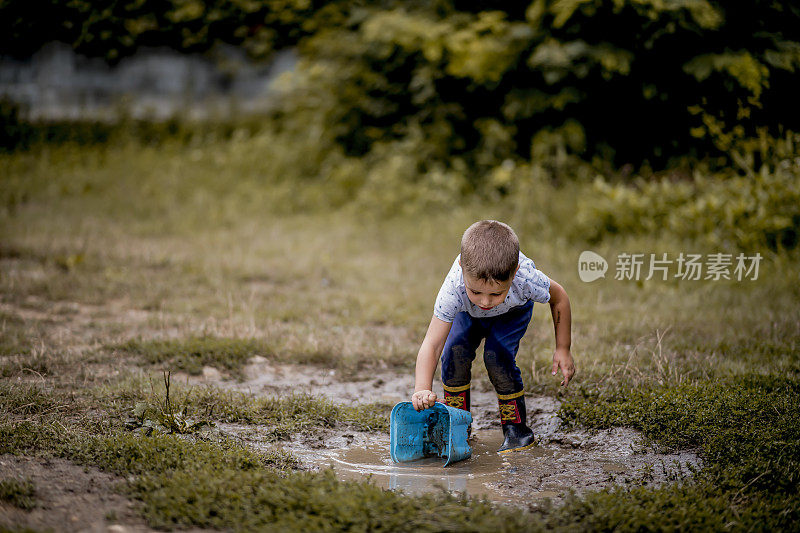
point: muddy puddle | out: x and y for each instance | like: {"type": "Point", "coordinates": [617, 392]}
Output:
{"type": "Point", "coordinates": [480, 476]}
{"type": "Point", "coordinates": [564, 461]}
{"type": "Point", "coordinates": [575, 461]}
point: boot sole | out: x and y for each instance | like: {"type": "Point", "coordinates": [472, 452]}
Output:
{"type": "Point", "coordinates": [520, 449]}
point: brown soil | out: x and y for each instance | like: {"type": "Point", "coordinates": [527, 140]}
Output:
{"type": "Point", "coordinates": [69, 498]}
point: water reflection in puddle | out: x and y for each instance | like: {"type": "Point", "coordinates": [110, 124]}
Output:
{"type": "Point", "coordinates": [481, 475]}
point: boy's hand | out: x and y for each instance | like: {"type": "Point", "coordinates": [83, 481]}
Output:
{"type": "Point", "coordinates": [562, 359]}
{"type": "Point", "coordinates": [423, 399]}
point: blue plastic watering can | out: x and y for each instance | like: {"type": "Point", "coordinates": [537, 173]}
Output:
{"type": "Point", "coordinates": [439, 431]}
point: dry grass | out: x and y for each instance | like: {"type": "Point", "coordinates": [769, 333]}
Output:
{"type": "Point", "coordinates": [131, 243]}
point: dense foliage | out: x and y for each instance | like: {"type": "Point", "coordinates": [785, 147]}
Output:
{"type": "Point", "coordinates": [113, 30]}
{"type": "Point", "coordinates": [624, 79]}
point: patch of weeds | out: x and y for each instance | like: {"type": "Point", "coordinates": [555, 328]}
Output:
{"type": "Point", "coordinates": [747, 429]}
{"type": "Point", "coordinates": [673, 507]}
{"type": "Point", "coordinates": [20, 352]}
{"type": "Point", "coordinates": [222, 485]}
{"type": "Point", "coordinates": [290, 414]}
{"type": "Point", "coordinates": [279, 459]}
{"type": "Point", "coordinates": [163, 413]}
{"type": "Point", "coordinates": [26, 400]}
{"type": "Point", "coordinates": [18, 437]}
{"type": "Point", "coordinates": [18, 492]}
{"type": "Point", "coordinates": [284, 415]}
{"type": "Point", "coordinates": [36, 362]}
{"type": "Point", "coordinates": [192, 354]}
{"type": "Point", "coordinates": [198, 482]}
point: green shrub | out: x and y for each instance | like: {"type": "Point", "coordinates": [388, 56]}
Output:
{"type": "Point", "coordinates": [751, 212]}
{"type": "Point", "coordinates": [627, 81]}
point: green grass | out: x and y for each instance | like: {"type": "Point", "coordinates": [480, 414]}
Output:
{"type": "Point", "coordinates": [292, 414]}
{"type": "Point", "coordinates": [746, 429]}
{"type": "Point", "coordinates": [278, 417]}
{"type": "Point", "coordinates": [142, 402]}
{"type": "Point", "coordinates": [221, 485]}
{"type": "Point", "coordinates": [743, 426]}
{"type": "Point", "coordinates": [217, 483]}
{"type": "Point", "coordinates": [26, 400]}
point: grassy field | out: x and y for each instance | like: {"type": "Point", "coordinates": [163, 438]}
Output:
{"type": "Point", "coordinates": [118, 261]}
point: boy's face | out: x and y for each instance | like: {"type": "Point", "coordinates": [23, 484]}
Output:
{"type": "Point", "coordinates": [486, 294]}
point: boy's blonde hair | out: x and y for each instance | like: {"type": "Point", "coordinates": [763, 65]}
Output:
{"type": "Point", "coordinates": [490, 251]}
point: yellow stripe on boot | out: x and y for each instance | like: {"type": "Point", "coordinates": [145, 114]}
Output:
{"type": "Point", "coordinates": [456, 389]}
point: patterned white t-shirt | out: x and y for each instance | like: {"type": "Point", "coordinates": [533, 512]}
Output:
{"type": "Point", "coordinates": [529, 284]}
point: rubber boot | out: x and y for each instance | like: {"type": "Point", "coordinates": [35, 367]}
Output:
{"type": "Point", "coordinates": [513, 417]}
{"type": "Point", "coordinates": [458, 397]}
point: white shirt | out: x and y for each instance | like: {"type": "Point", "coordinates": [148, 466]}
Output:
{"type": "Point", "coordinates": [529, 284]}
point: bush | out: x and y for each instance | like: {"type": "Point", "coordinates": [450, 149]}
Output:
{"type": "Point", "coordinates": [753, 211]}
{"type": "Point", "coordinates": [627, 81]}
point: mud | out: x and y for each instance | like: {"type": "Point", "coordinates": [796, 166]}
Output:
{"type": "Point", "coordinates": [263, 377]}
{"type": "Point", "coordinates": [564, 461]}
{"type": "Point", "coordinates": [574, 461]}
{"type": "Point", "coordinates": [69, 498]}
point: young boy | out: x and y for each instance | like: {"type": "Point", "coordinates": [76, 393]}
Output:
{"type": "Point", "coordinates": [489, 294]}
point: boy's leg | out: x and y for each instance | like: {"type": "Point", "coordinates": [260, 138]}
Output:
{"type": "Point", "coordinates": [457, 357]}
{"type": "Point", "coordinates": [502, 343]}
{"type": "Point", "coordinates": [500, 352]}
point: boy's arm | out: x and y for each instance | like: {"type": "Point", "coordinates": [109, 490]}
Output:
{"type": "Point", "coordinates": [562, 323]}
{"type": "Point", "coordinates": [427, 359]}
